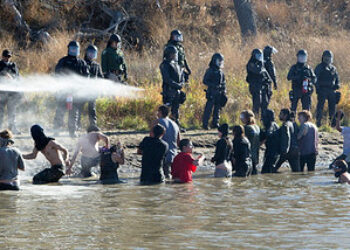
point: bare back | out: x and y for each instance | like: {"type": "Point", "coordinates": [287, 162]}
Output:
{"type": "Point", "coordinates": [52, 153]}
{"type": "Point", "coordinates": [89, 144]}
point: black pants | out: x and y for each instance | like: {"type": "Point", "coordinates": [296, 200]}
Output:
{"type": "Point", "coordinates": [260, 98]}
{"type": "Point", "coordinates": [49, 175]}
{"type": "Point", "coordinates": [208, 110]}
{"type": "Point", "coordinates": [269, 163]}
{"type": "Point", "coordinates": [309, 160]}
{"type": "Point", "coordinates": [293, 158]}
{"type": "Point", "coordinates": [5, 186]}
{"type": "Point", "coordinates": [242, 169]}
{"type": "Point", "coordinates": [324, 94]}
{"type": "Point", "coordinates": [305, 101]}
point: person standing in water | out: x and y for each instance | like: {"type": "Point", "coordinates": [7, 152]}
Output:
{"type": "Point", "coordinates": [252, 132]}
{"type": "Point", "coordinates": [153, 150]}
{"type": "Point", "coordinates": [11, 161]}
{"type": "Point", "coordinates": [56, 155]}
{"type": "Point", "coordinates": [11, 99]}
{"type": "Point", "coordinates": [223, 167]}
{"type": "Point", "coordinates": [88, 146]}
{"type": "Point", "coordinates": [308, 141]}
{"type": "Point", "coordinates": [112, 60]}
{"type": "Point", "coordinates": [171, 136]}
{"type": "Point", "coordinates": [241, 160]}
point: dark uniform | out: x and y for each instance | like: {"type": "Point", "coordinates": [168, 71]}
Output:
{"type": "Point", "coordinates": [173, 81]}
{"type": "Point", "coordinates": [270, 67]}
{"type": "Point", "coordinates": [259, 82]}
{"type": "Point", "coordinates": [214, 78]}
{"type": "Point", "coordinates": [326, 85]}
{"type": "Point", "coordinates": [271, 136]}
{"type": "Point", "coordinates": [113, 62]}
{"type": "Point", "coordinates": [9, 99]}
{"type": "Point", "coordinates": [68, 65]}
{"type": "Point", "coordinates": [288, 147]}
{"type": "Point", "coordinates": [176, 40]}
{"type": "Point", "coordinates": [303, 79]}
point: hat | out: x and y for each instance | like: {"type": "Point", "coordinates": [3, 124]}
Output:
{"type": "Point", "coordinates": [6, 53]}
{"type": "Point", "coordinates": [223, 129]}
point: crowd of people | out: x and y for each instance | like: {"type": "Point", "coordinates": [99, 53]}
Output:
{"type": "Point", "coordinates": [295, 143]}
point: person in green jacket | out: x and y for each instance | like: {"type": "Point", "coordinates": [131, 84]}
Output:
{"type": "Point", "coordinates": [112, 60]}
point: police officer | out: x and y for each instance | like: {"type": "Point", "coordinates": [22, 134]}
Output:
{"type": "Point", "coordinates": [303, 78]}
{"type": "Point", "coordinates": [173, 81]}
{"type": "Point", "coordinates": [269, 64]}
{"type": "Point", "coordinates": [326, 85]}
{"type": "Point", "coordinates": [9, 70]}
{"type": "Point", "coordinates": [214, 79]}
{"type": "Point", "coordinates": [259, 82]}
{"type": "Point", "coordinates": [70, 64]}
{"type": "Point", "coordinates": [94, 72]}
{"type": "Point", "coordinates": [176, 40]}
{"type": "Point", "coordinates": [112, 60]}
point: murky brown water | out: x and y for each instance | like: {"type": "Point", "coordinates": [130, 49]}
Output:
{"type": "Point", "coordinates": [271, 211]}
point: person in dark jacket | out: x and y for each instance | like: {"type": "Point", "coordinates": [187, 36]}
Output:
{"type": "Point", "coordinates": [270, 136]}
{"type": "Point", "coordinates": [327, 85]}
{"type": "Point", "coordinates": [241, 160]}
{"type": "Point", "coordinates": [70, 64]}
{"type": "Point", "coordinates": [289, 144]}
{"type": "Point", "coordinates": [270, 66]}
{"type": "Point", "coordinates": [94, 73]}
{"type": "Point", "coordinates": [214, 79]}
{"type": "Point", "coordinates": [252, 132]}
{"type": "Point", "coordinates": [176, 40]}
{"type": "Point", "coordinates": [223, 153]}
{"type": "Point", "coordinates": [303, 79]}
{"type": "Point", "coordinates": [173, 81]}
{"type": "Point", "coordinates": [259, 82]}
{"type": "Point", "coordinates": [9, 70]}
{"type": "Point", "coordinates": [113, 61]}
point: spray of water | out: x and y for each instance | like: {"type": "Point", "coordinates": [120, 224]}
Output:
{"type": "Point", "coordinates": [75, 85]}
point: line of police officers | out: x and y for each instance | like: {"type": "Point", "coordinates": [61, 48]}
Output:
{"type": "Point", "coordinates": [261, 74]}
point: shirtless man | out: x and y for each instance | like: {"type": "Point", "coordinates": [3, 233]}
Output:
{"type": "Point", "coordinates": [53, 152]}
{"type": "Point", "coordinates": [88, 146]}
{"type": "Point", "coordinates": [341, 171]}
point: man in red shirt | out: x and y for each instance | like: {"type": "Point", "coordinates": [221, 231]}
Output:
{"type": "Point", "coordinates": [184, 164]}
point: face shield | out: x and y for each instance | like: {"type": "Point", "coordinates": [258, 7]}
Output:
{"type": "Point", "coordinates": [302, 58]}
{"type": "Point", "coordinates": [219, 63]}
{"type": "Point", "coordinates": [91, 54]}
{"type": "Point", "coordinates": [73, 51]}
{"type": "Point", "coordinates": [328, 59]}
{"type": "Point", "coordinates": [259, 57]}
{"type": "Point", "coordinates": [179, 38]}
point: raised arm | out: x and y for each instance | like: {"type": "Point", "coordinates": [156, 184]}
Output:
{"type": "Point", "coordinates": [32, 155]}
{"type": "Point", "coordinates": [104, 138]}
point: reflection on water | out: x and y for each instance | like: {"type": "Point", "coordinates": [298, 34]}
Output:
{"type": "Point", "coordinates": [276, 211]}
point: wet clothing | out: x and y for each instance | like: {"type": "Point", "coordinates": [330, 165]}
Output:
{"type": "Point", "coordinates": [183, 167]}
{"type": "Point", "coordinates": [87, 163]}
{"type": "Point", "coordinates": [298, 73]}
{"type": "Point", "coordinates": [259, 85]}
{"type": "Point", "coordinates": [69, 65]}
{"type": "Point", "coordinates": [242, 157]}
{"type": "Point", "coordinates": [11, 161]}
{"type": "Point", "coordinates": [7, 98]}
{"type": "Point", "coordinates": [308, 146]}
{"type": "Point", "coordinates": [113, 64]}
{"type": "Point", "coordinates": [253, 134]}
{"type": "Point", "coordinates": [222, 158]}
{"type": "Point", "coordinates": [214, 79]}
{"type": "Point", "coordinates": [153, 154]}
{"type": "Point", "coordinates": [173, 81]}
{"type": "Point", "coordinates": [309, 161]}
{"type": "Point", "coordinates": [109, 169]}
{"type": "Point", "coordinates": [6, 186]}
{"type": "Point", "coordinates": [326, 85]}
{"type": "Point", "coordinates": [170, 137]}
{"type": "Point", "coordinates": [346, 144]}
{"type": "Point", "coordinates": [272, 153]}
{"type": "Point", "coordinates": [49, 175]}
{"type": "Point", "coordinates": [289, 147]}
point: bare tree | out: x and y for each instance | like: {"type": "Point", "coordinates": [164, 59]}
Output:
{"type": "Point", "coordinates": [246, 17]}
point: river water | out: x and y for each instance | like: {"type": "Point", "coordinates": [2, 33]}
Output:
{"type": "Point", "coordinates": [304, 211]}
